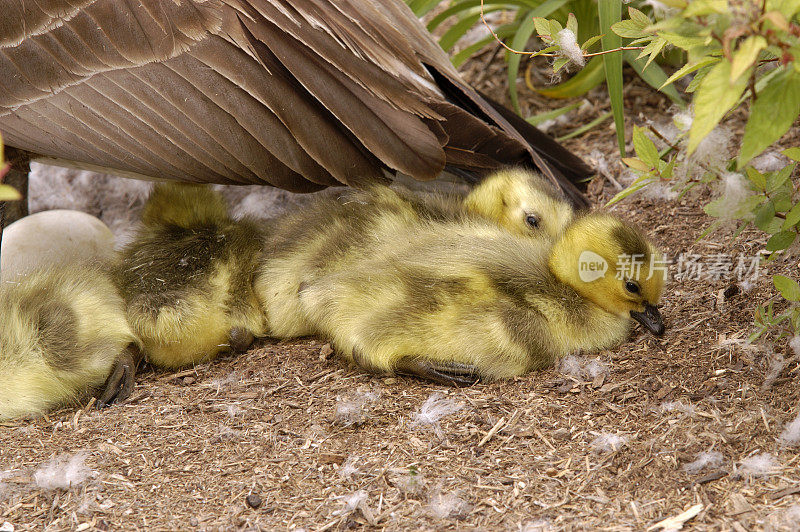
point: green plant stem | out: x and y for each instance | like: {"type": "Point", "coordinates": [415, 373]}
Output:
{"type": "Point", "coordinates": [610, 12]}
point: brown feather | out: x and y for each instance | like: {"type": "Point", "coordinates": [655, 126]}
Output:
{"type": "Point", "coordinates": [299, 94]}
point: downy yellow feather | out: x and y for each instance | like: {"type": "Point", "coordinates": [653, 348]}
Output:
{"type": "Point", "coordinates": [456, 301]}
{"type": "Point", "coordinates": [187, 277]}
{"type": "Point", "coordinates": [63, 335]}
{"type": "Point", "coordinates": [339, 231]}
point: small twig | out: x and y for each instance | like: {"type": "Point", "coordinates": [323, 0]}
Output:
{"type": "Point", "coordinates": [544, 439]}
{"type": "Point", "coordinates": [329, 525]}
{"type": "Point", "coordinates": [492, 431]}
{"type": "Point", "coordinates": [386, 513]}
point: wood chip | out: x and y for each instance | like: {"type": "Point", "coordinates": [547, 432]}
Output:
{"type": "Point", "coordinates": [739, 504]}
{"type": "Point", "coordinates": [331, 458]}
{"type": "Point", "coordinates": [676, 522]}
{"type": "Point", "coordinates": [784, 492]}
{"type": "Point", "coordinates": [325, 352]}
{"type": "Point", "coordinates": [714, 475]}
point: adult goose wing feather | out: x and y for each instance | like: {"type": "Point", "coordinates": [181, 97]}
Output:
{"type": "Point", "coordinates": [299, 94]}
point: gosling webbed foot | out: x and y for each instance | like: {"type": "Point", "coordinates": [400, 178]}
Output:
{"type": "Point", "coordinates": [240, 339]}
{"type": "Point", "coordinates": [119, 385]}
{"type": "Point", "coordinates": [447, 373]}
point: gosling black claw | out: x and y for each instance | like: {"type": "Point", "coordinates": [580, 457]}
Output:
{"type": "Point", "coordinates": [122, 380]}
{"type": "Point", "coordinates": [447, 373]}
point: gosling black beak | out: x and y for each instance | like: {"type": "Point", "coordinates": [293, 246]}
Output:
{"type": "Point", "coordinates": [650, 318]}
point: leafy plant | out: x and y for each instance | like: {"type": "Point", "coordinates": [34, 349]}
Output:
{"type": "Point", "coordinates": [788, 321]}
{"type": "Point", "coordinates": [768, 200]}
{"type": "Point", "coordinates": [739, 51]}
{"type": "Point", "coordinates": [546, 18]}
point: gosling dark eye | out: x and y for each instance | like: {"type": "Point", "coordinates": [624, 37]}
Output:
{"type": "Point", "coordinates": [532, 220]}
{"type": "Point", "coordinates": [631, 287]}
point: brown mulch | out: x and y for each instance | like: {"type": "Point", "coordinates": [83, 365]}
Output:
{"type": "Point", "coordinates": [261, 441]}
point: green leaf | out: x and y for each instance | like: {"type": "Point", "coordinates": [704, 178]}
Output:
{"type": "Point", "coordinates": [698, 8]}
{"type": "Point", "coordinates": [764, 216]}
{"type": "Point", "coordinates": [698, 79]}
{"type": "Point", "coordinates": [644, 147]}
{"type": "Point", "coordinates": [683, 41]}
{"type": "Point", "coordinates": [714, 98]}
{"type": "Point", "coordinates": [773, 226]}
{"type": "Point", "coordinates": [535, 120]}
{"type": "Point", "coordinates": [559, 63]}
{"type": "Point", "coordinates": [775, 180]}
{"type": "Point", "coordinates": [590, 41]}
{"type": "Point", "coordinates": [792, 217]}
{"type": "Point", "coordinates": [635, 186]}
{"type": "Point", "coordinates": [542, 26]}
{"type": "Point", "coordinates": [781, 240]}
{"type": "Point", "coordinates": [677, 4]}
{"type": "Point", "coordinates": [610, 12]}
{"type": "Point", "coordinates": [652, 50]}
{"type": "Point", "coordinates": [772, 114]}
{"type": "Point", "coordinates": [778, 19]}
{"type": "Point", "coordinates": [579, 84]}
{"type": "Point", "coordinates": [792, 153]}
{"type": "Point", "coordinates": [688, 69]}
{"type": "Point", "coordinates": [572, 23]}
{"type": "Point", "coordinates": [746, 55]}
{"type": "Point", "coordinates": [669, 168]}
{"type": "Point", "coordinates": [757, 178]}
{"type": "Point", "coordinates": [9, 193]}
{"type": "Point", "coordinates": [722, 208]}
{"type": "Point", "coordinates": [555, 27]}
{"type": "Point", "coordinates": [586, 127]}
{"type": "Point", "coordinates": [636, 164]}
{"type": "Point", "coordinates": [639, 17]}
{"type": "Point", "coordinates": [783, 199]}
{"type": "Point", "coordinates": [653, 76]}
{"type": "Point", "coordinates": [788, 287]}
{"type": "Point", "coordinates": [629, 29]}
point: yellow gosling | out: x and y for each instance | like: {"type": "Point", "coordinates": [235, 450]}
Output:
{"type": "Point", "coordinates": [187, 277]}
{"type": "Point", "coordinates": [454, 302]}
{"type": "Point", "coordinates": [521, 201]}
{"type": "Point", "coordinates": [337, 231]}
{"type": "Point", "coordinates": [63, 336]}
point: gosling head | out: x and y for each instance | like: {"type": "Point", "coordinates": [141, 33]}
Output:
{"type": "Point", "coordinates": [521, 201]}
{"type": "Point", "coordinates": [614, 265]}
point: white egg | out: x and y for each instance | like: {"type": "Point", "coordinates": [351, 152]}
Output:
{"type": "Point", "coordinates": [51, 238]}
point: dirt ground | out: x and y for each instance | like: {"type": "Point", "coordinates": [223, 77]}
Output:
{"type": "Point", "coordinates": [288, 437]}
